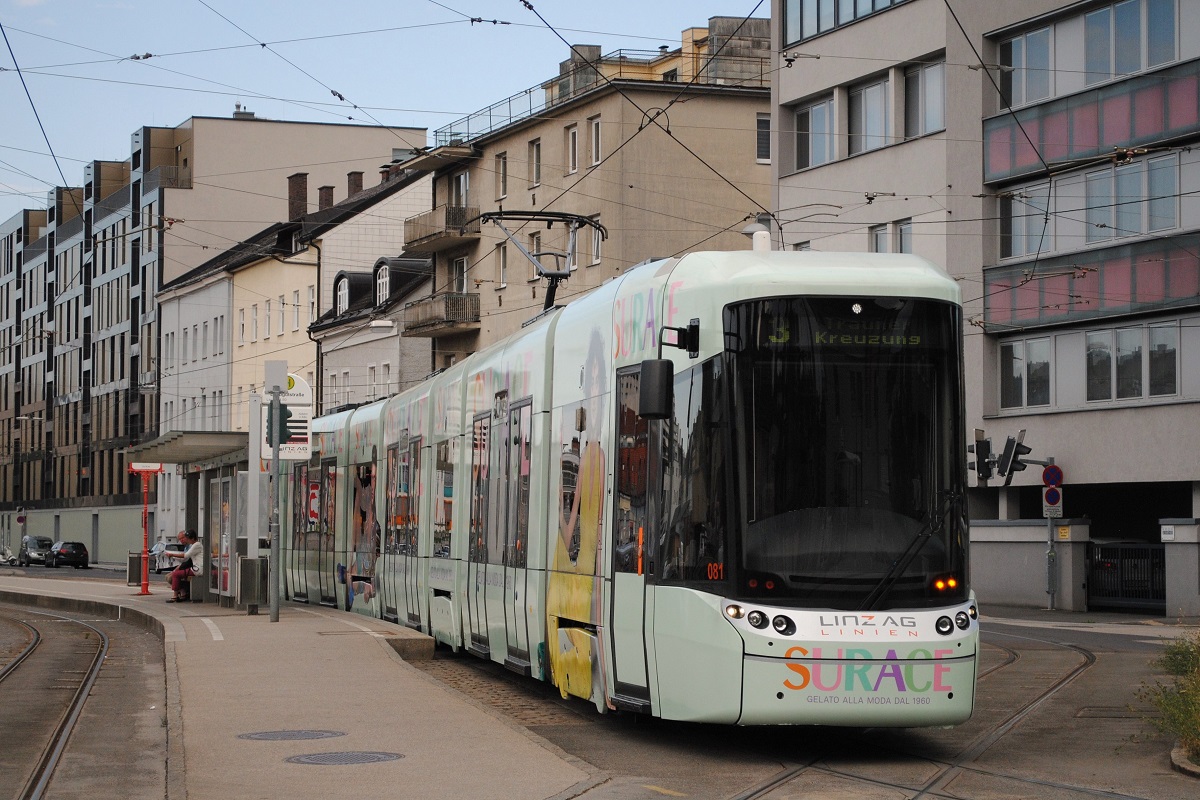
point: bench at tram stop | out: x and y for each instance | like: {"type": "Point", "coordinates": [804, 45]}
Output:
{"type": "Point", "coordinates": [133, 577]}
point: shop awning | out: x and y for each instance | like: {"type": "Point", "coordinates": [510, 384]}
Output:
{"type": "Point", "coordinates": [190, 447]}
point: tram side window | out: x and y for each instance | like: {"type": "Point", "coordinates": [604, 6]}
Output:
{"type": "Point", "coordinates": [477, 547]}
{"type": "Point", "coordinates": [692, 527]}
{"type": "Point", "coordinates": [518, 477]}
{"type": "Point", "coordinates": [300, 504]}
{"type": "Point", "coordinates": [631, 549]}
{"type": "Point", "coordinates": [328, 505]}
{"type": "Point", "coordinates": [443, 502]}
{"type": "Point", "coordinates": [392, 523]}
{"type": "Point", "coordinates": [412, 474]}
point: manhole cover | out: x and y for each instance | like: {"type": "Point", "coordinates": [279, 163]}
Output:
{"type": "Point", "coordinates": [289, 736]}
{"type": "Point", "coordinates": [339, 759]}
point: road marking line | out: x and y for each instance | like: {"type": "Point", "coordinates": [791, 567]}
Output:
{"type": "Point", "coordinates": [213, 629]}
{"type": "Point", "coordinates": [661, 790]}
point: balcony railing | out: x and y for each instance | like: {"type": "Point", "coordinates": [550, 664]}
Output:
{"type": "Point", "coordinates": [111, 204]}
{"type": "Point", "coordinates": [443, 227]}
{"type": "Point", "coordinates": [166, 178]}
{"type": "Point", "coordinates": [449, 312]}
{"type": "Point", "coordinates": [68, 229]}
{"type": "Point", "coordinates": [646, 65]}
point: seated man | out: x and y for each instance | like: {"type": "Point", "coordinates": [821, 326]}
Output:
{"type": "Point", "coordinates": [190, 564]}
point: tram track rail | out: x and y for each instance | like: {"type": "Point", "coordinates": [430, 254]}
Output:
{"type": "Point", "coordinates": [54, 650]}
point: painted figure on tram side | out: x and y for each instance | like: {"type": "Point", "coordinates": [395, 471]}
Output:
{"type": "Point", "coordinates": [573, 585]}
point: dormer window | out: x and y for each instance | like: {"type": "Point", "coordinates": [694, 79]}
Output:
{"type": "Point", "coordinates": [381, 285]}
{"type": "Point", "coordinates": [343, 296]}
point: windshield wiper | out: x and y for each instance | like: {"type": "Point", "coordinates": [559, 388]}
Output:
{"type": "Point", "coordinates": [934, 524]}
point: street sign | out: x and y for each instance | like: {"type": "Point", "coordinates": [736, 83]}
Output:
{"type": "Point", "coordinates": [1052, 475]}
{"type": "Point", "coordinates": [296, 411]}
{"type": "Point", "coordinates": [143, 466]}
{"type": "Point", "coordinates": [1052, 502]}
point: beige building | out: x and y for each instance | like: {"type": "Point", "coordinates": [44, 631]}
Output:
{"type": "Point", "coordinates": [662, 149]}
{"type": "Point", "coordinates": [1042, 154]}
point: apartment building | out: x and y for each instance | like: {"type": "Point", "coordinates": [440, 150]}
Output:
{"type": "Point", "coordinates": [79, 323]}
{"type": "Point", "coordinates": [1042, 153]}
{"type": "Point", "coordinates": [666, 150]}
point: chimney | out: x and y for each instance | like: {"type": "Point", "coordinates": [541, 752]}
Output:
{"type": "Point", "coordinates": [353, 183]}
{"type": "Point", "coordinates": [297, 196]}
{"type": "Point", "coordinates": [324, 197]}
{"type": "Point", "coordinates": [385, 172]}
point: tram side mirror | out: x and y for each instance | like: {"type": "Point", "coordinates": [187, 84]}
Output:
{"type": "Point", "coordinates": [655, 392]}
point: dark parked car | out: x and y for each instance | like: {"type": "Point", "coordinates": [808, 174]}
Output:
{"type": "Point", "coordinates": [33, 550]}
{"type": "Point", "coordinates": [70, 553]}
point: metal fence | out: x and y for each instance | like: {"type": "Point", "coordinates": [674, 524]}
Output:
{"type": "Point", "coordinates": [1127, 575]}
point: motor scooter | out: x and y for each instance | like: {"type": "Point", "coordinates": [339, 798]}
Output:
{"type": "Point", "coordinates": [6, 556]}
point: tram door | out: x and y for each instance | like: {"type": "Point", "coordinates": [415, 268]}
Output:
{"type": "Point", "coordinates": [477, 633]}
{"type": "Point", "coordinates": [410, 476]}
{"type": "Point", "coordinates": [324, 555]}
{"type": "Point", "coordinates": [514, 459]}
{"type": "Point", "coordinates": [632, 538]}
{"type": "Point", "coordinates": [393, 533]}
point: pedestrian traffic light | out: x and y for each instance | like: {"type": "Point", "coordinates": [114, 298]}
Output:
{"type": "Point", "coordinates": [983, 458]}
{"type": "Point", "coordinates": [1010, 459]}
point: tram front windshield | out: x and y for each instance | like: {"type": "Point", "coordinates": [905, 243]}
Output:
{"type": "Point", "coordinates": [849, 451]}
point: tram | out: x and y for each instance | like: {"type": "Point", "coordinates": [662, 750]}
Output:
{"type": "Point", "coordinates": [726, 488]}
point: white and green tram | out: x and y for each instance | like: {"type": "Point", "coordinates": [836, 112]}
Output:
{"type": "Point", "coordinates": [726, 487]}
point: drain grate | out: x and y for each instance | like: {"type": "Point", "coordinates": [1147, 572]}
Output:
{"type": "Point", "coordinates": [340, 759]}
{"type": "Point", "coordinates": [289, 736]}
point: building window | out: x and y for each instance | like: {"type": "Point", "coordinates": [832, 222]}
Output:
{"type": "Point", "coordinates": [458, 275]}
{"type": "Point", "coordinates": [204, 341]}
{"type": "Point", "coordinates": [241, 326]}
{"type": "Point", "coordinates": [183, 353]}
{"type": "Point", "coordinates": [924, 99]}
{"type": "Point", "coordinates": [762, 142]}
{"type": "Point", "coordinates": [904, 242]}
{"type": "Point", "coordinates": [535, 162]}
{"type": "Point", "coordinates": [1025, 373]}
{"type": "Point", "coordinates": [1028, 80]}
{"type": "Point", "coordinates": [267, 319]}
{"type": "Point", "coordinates": [501, 175]}
{"type": "Point", "coordinates": [346, 386]}
{"type": "Point", "coordinates": [802, 246]}
{"type": "Point", "coordinates": [573, 149]}
{"type": "Point", "coordinates": [460, 189]}
{"type": "Point", "coordinates": [1132, 199]}
{"type": "Point", "coordinates": [1133, 362]}
{"type": "Point", "coordinates": [878, 235]}
{"type": "Point", "coordinates": [254, 322]}
{"type": "Point", "coordinates": [535, 247]}
{"type": "Point", "coordinates": [282, 314]}
{"type": "Point", "coordinates": [312, 304]}
{"type": "Point", "coordinates": [597, 242]}
{"type": "Point", "coordinates": [814, 135]}
{"type": "Point", "coordinates": [671, 76]}
{"type": "Point", "coordinates": [381, 285]}
{"type": "Point", "coordinates": [594, 129]}
{"type": "Point", "coordinates": [869, 117]}
{"type": "Point", "coordinates": [371, 387]}
{"type": "Point", "coordinates": [296, 310]}
{"type": "Point", "coordinates": [342, 303]}
{"type": "Point", "coordinates": [1025, 222]}
{"type": "Point", "coordinates": [1128, 37]}
{"type": "Point", "coordinates": [387, 378]}
{"type": "Point", "coordinates": [501, 266]}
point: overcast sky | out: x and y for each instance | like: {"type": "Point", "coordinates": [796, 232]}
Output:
{"type": "Point", "coordinates": [420, 63]}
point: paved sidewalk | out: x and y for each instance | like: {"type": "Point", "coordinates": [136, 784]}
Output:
{"type": "Point", "coordinates": [230, 674]}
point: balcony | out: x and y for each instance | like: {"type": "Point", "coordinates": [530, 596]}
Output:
{"type": "Point", "coordinates": [166, 178]}
{"type": "Point", "coordinates": [442, 315]}
{"type": "Point", "coordinates": [440, 229]}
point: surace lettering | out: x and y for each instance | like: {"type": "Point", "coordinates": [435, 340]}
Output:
{"type": "Point", "coordinates": [891, 672]}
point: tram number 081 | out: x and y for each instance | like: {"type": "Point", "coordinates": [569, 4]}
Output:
{"type": "Point", "coordinates": [716, 571]}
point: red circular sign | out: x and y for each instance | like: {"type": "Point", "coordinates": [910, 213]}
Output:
{"type": "Point", "coordinates": [1052, 475]}
{"type": "Point", "coordinates": [1053, 496]}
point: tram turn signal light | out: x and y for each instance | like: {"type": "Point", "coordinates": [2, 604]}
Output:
{"type": "Point", "coordinates": [945, 583]}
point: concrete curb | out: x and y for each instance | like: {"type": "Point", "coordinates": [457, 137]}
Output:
{"type": "Point", "coordinates": [1181, 763]}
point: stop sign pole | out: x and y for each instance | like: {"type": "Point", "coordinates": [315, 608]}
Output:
{"type": "Point", "coordinates": [1052, 478]}
{"type": "Point", "coordinates": [144, 471]}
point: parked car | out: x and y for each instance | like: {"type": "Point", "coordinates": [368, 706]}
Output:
{"type": "Point", "coordinates": [33, 550]}
{"type": "Point", "coordinates": [73, 554]}
{"type": "Point", "coordinates": [162, 563]}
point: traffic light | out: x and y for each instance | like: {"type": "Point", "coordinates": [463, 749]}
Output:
{"type": "Point", "coordinates": [983, 458]}
{"type": "Point", "coordinates": [1010, 459]}
{"type": "Point", "coordinates": [278, 427]}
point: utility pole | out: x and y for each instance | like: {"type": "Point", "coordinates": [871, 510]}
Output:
{"type": "Point", "coordinates": [277, 380]}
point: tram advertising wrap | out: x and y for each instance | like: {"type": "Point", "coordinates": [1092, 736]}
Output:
{"type": "Point", "coordinates": [783, 541]}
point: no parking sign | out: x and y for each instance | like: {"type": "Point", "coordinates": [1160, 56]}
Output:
{"type": "Point", "coordinates": [1052, 477]}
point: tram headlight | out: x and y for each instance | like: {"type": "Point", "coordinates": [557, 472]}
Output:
{"type": "Point", "coordinates": [973, 611]}
{"type": "Point", "coordinates": [944, 626]}
{"type": "Point", "coordinates": [783, 625]}
{"type": "Point", "coordinates": [757, 619]}
{"type": "Point", "coordinates": [962, 620]}
{"type": "Point", "coordinates": [734, 611]}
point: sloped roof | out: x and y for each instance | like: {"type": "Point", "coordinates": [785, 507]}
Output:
{"type": "Point", "coordinates": [404, 275]}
